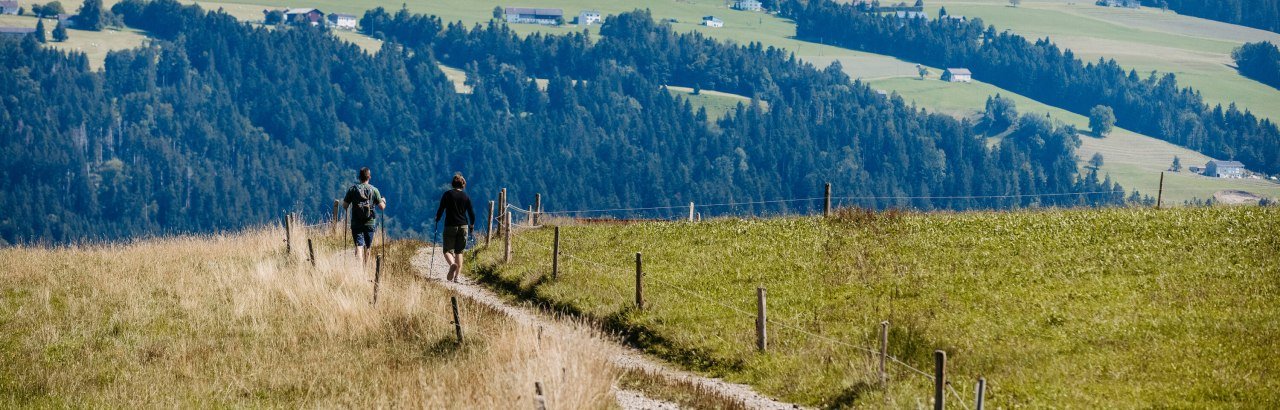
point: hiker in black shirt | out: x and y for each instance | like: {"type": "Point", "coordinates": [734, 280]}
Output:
{"type": "Point", "coordinates": [364, 200]}
{"type": "Point", "coordinates": [459, 220]}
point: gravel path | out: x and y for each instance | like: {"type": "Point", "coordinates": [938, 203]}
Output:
{"type": "Point", "coordinates": [434, 269]}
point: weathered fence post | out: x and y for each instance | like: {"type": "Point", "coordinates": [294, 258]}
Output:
{"type": "Point", "coordinates": [288, 233]}
{"type": "Point", "coordinates": [691, 212]}
{"type": "Point", "coordinates": [884, 352]}
{"type": "Point", "coordinates": [981, 391]}
{"type": "Point", "coordinates": [539, 401]}
{"type": "Point", "coordinates": [311, 251]}
{"type": "Point", "coordinates": [639, 283]}
{"type": "Point", "coordinates": [502, 208]}
{"type": "Point", "coordinates": [762, 341]}
{"type": "Point", "coordinates": [507, 232]}
{"type": "Point", "coordinates": [457, 324]}
{"type": "Point", "coordinates": [377, 277]}
{"type": "Point", "coordinates": [537, 209]}
{"type": "Point", "coordinates": [555, 255]}
{"type": "Point", "coordinates": [337, 205]}
{"type": "Point", "coordinates": [488, 230]}
{"type": "Point", "coordinates": [939, 379]}
{"type": "Point", "coordinates": [826, 201]}
{"type": "Point", "coordinates": [1160, 192]}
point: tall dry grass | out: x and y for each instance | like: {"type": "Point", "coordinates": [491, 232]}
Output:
{"type": "Point", "coordinates": [233, 320]}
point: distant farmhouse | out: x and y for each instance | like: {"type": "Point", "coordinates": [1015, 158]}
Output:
{"type": "Point", "coordinates": [9, 7]}
{"type": "Point", "coordinates": [957, 75]}
{"type": "Point", "coordinates": [549, 17]}
{"type": "Point", "coordinates": [312, 17]}
{"type": "Point", "coordinates": [1133, 4]}
{"type": "Point", "coordinates": [342, 21]}
{"type": "Point", "coordinates": [16, 31]}
{"type": "Point", "coordinates": [1224, 169]}
{"type": "Point", "coordinates": [908, 14]}
{"type": "Point", "coordinates": [67, 20]}
{"type": "Point", "coordinates": [711, 21]}
{"type": "Point", "coordinates": [748, 5]}
{"type": "Point", "coordinates": [588, 17]}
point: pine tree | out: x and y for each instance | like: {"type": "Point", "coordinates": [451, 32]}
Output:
{"type": "Point", "coordinates": [40, 31]}
{"type": "Point", "coordinates": [1177, 164]}
{"type": "Point", "coordinates": [90, 17]}
{"type": "Point", "coordinates": [59, 33]}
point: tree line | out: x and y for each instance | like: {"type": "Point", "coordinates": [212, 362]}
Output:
{"type": "Point", "coordinates": [1260, 14]}
{"type": "Point", "coordinates": [1153, 104]}
{"type": "Point", "coordinates": [219, 124]}
{"type": "Point", "coordinates": [1259, 61]}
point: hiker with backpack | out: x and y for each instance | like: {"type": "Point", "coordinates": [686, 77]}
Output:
{"type": "Point", "coordinates": [363, 198]}
{"type": "Point", "coordinates": [459, 221]}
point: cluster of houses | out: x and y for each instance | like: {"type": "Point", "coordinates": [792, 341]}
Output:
{"type": "Point", "coordinates": [9, 7]}
{"type": "Point", "coordinates": [548, 17]}
{"type": "Point", "coordinates": [315, 17]}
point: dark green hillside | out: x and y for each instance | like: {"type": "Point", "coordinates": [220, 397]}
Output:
{"type": "Point", "coordinates": [219, 124]}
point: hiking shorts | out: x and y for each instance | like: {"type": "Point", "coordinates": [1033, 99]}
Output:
{"type": "Point", "coordinates": [455, 239]}
{"type": "Point", "coordinates": [362, 236]}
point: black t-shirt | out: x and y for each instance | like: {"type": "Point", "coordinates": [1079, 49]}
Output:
{"type": "Point", "coordinates": [453, 204]}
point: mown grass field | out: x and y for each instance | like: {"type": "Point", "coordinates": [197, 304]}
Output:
{"type": "Point", "coordinates": [1110, 308]}
{"type": "Point", "coordinates": [1198, 51]}
{"type": "Point", "coordinates": [95, 44]}
{"type": "Point", "coordinates": [233, 321]}
{"type": "Point", "coordinates": [1135, 160]}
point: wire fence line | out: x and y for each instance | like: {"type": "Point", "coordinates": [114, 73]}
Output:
{"type": "Point", "coordinates": [623, 271]}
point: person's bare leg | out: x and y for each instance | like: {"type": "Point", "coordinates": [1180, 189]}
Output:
{"type": "Point", "coordinates": [457, 270]}
{"type": "Point", "coordinates": [448, 258]}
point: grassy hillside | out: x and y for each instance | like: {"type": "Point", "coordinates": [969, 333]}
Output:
{"type": "Point", "coordinates": [1197, 50]}
{"type": "Point", "coordinates": [1135, 160]}
{"type": "Point", "coordinates": [1115, 308]}
{"type": "Point", "coordinates": [231, 321]}
{"type": "Point", "coordinates": [95, 44]}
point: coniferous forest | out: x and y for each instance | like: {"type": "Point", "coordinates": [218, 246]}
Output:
{"type": "Point", "coordinates": [1150, 104]}
{"type": "Point", "coordinates": [219, 124]}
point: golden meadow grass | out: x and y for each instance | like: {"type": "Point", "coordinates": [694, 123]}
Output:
{"type": "Point", "coordinates": [1109, 308]}
{"type": "Point", "coordinates": [230, 320]}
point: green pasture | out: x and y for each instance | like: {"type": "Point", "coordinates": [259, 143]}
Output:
{"type": "Point", "coordinates": [1134, 160]}
{"type": "Point", "coordinates": [94, 44]}
{"type": "Point", "coordinates": [1198, 51]}
{"type": "Point", "coordinates": [1103, 308]}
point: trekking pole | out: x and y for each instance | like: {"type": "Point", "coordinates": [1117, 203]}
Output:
{"type": "Point", "coordinates": [431, 241]}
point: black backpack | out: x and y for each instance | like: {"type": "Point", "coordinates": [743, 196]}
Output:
{"type": "Point", "coordinates": [362, 209]}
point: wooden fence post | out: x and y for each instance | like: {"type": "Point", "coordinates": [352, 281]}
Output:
{"type": "Point", "coordinates": [826, 201]}
{"type": "Point", "coordinates": [981, 391]}
{"type": "Point", "coordinates": [555, 255]}
{"type": "Point", "coordinates": [690, 211]}
{"type": "Point", "coordinates": [488, 230]}
{"type": "Point", "coordinates": [1160, 192]}
{"type": "Point", "coordinates": [507, 232]}
{"type": "Point", "coordinates": [762, 342]}
{"type": "Point", "coordinates": [639, 283]}
{"type": "Point", "coordinates": [311, 250]}
{"type": "Point", "coordinates": [537, 209]}
{"type": "Point", "coordinates": [337, 205]}
{"type": "Point", "coordinates": [539, 400]}
{"type": "Point", "coordinates": [502, 208]}
{"type": "Point", "coordinates": [377, 277]}
{"type": "Point", "coordinates": [457, 324]}
{"type": "Point", "coordinates": [939, 380]}
{"type": "Point", "coordinates": [288, 233]}
{"type": "Point", "coordinates": [884, 352]}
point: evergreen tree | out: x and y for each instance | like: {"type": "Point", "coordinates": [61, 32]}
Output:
{"type": "Point", "coordinates": [39, 33]}
{"type": "Point", "coordinates": [59, 33]}
{"type": "Point", "coordinates": [1096, 161]}
{"type": "Point", "coordinates": [1177, 164]}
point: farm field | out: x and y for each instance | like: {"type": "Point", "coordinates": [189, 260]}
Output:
{"type": "Point", "coordinates": [1198, 51]}
{"type": "Point", "coordinates": [234, 321]}
{"type": "Point", "coordinates": [1108, 308]}
{"type": "Point", "coordinates": [1134, 160]}
{"type": "Point", "coordinates": [95, 44]}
